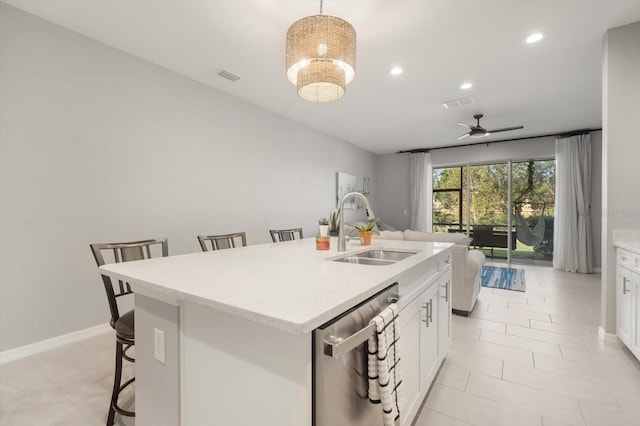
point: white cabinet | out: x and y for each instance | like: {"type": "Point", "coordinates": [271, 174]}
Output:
{"type": "Point", "coordinates": [444, 325]}
{"type": "Point", "coordinates": [628, 299]}
{"type": "Point", "coordinates": [410, 332]}
{"type": "Point", "coordinates": [635, 341]}
{"type": "Point", "coordinates": [425, 333]}
{"type": "Point", "coordinates": [624, 303]}
{"type": "Point", "coordinates": [429, 336]}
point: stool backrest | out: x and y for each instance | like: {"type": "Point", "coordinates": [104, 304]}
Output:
{"type": "Point", "coordinates": [278, 235]}
{"type": "Point", "coordinates": [105, 253]}
{"type": "Point", "coordinates": [221, 242]}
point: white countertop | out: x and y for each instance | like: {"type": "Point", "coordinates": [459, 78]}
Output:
{"type": "Point", "coordinates": [290, 285]}
{"type": "Point", "coordinates": [633, 246]}
{"type": "Point", "coordinates": [628, 239]}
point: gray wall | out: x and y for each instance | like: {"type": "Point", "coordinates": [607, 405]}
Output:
{"type": "Point", "coordinates": [97, 146]}
{"type": "Point", "coordinates": [392, 175]}
{"type": "Point", "coordinates": [621, 148]}
{"type": "Point", "coordinates": [392, 186]}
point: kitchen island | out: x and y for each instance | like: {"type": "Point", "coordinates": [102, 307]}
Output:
{"type": "Point", "coordinates": [225, 337]}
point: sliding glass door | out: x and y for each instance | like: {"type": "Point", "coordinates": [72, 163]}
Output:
{"type": "Point", "coordinates": [506, 207]}
{"type": "Point", "coordinates": [448, 207]}
{"type": "Point", "coordinates": [489, 208]}
{"type": "Point", "coordinates": [533, 209]}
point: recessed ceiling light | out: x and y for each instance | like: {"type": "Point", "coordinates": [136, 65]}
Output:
{"type": "Point", "coordinates": [533, 38]}
{"type": "Point", "coordinates": [396, 71]}
{"type": "Point", "coordinates": [458, 102]}
{"type": "Point", "coordinates": [466, 86]}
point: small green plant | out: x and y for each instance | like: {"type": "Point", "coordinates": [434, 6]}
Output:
{"type": "Point", "coordinates": [334, 221]}
{"type": "Point", "coordinates": [366, 227]}
{"type": "Point", "coordinates": [323, 221]}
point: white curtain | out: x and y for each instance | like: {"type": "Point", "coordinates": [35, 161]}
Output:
{"type": "Point", "coordinates": [420, 199]}
{"type": "Point", "coordinates": [572, 248]}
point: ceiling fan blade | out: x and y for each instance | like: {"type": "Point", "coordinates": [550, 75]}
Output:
{"type": "Point", "coordinates": [505, 129]}
{"type": "Point", "coordinates": [474, 128]}
{"type": "Point", "coordinates": [464, 136]}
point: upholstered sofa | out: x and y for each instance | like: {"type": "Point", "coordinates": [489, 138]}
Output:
{"type": "Point", "coordinates": [466, 265]}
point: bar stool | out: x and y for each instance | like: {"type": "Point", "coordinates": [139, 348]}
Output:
{"type": "Point", "coordinates": [123, 325]}
{"type": "Point", "coordinates": [220, 242]}
{"type": "Point", "coordinates": [278, 235]}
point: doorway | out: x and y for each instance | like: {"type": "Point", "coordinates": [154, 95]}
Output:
{"type": "Point", "coordinates": [507, 208]}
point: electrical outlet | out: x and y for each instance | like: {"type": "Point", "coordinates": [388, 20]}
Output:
{"type": "Point", "coordinates": [158, 345]}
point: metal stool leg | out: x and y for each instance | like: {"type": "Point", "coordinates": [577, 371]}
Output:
{"type": "Point", "coordinates": [117, 387]}
{"type": "Point", "coordinates": [116, 384]}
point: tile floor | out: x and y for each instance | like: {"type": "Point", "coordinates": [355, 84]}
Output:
{"type": "Point", "coordinates": [534, 358]}
{"type": "Point", "coordinates": [69, 386]}
{"type": "Point", "coordinates": [522, 359]}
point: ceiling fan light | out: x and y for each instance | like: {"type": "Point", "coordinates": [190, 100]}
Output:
{"type": "Point", "coordinates": [477, 134]}
{"type": "Point", "coordinates": [321, 57]}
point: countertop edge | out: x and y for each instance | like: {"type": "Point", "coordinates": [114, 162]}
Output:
{"type": "Point", "coordinates": [628, 245]}
{"type": "Point", "coordinates": [176, 297]}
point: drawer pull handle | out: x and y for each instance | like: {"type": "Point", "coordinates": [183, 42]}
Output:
{"type": "Point", "coordinates": [429, 316]}
{"type": "Point", "coordinates": [625, 290]}
{"type": "Point", "coordinates": [446, 291]}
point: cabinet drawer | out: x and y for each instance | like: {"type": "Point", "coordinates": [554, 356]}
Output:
{"type": "Point", "coordinates": [444, 262]}
{"type": "Point", "coordinates": [625, 258]}
{"type": "Point", "coordinates": [635, 262]}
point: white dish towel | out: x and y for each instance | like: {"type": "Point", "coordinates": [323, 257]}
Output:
{"type": "Point", "coordinates": [383, 364]}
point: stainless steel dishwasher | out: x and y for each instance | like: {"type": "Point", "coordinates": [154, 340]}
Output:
{"type": "Point", "coordinates": [340, 365]}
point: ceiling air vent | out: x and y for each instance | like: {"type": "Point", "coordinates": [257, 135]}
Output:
{"type": "Point", "coordinates": [458, 102]}
{"type": "Point", "coordinates": [228, 75]}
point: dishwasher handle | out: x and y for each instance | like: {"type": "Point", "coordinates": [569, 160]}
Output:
{"type": "Point", "coordinates": [336, 347]}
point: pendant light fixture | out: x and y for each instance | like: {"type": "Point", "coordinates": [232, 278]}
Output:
{"type": "Point", "coordinates": [321, 57]}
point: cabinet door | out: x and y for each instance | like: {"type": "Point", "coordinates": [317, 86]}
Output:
{"type": "Point", "coordinates": [635, 317]}
{"type": "Point", "coordinates": [624, 304]}
{"type": "Point", "coordinates": [429, 336]}
{"type": "Point", "coordinates": [410, 322]}
{"type": "Point", "coordinates": [444, 324]}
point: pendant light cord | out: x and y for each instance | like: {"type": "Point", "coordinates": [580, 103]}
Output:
{"type": "Point", "coordinates": [321, 6]}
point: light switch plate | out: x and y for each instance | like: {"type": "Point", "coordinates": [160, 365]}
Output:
{"type": "Point", "coordinates": [158, 345]}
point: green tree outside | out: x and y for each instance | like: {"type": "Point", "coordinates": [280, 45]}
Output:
{"type": "Point", "coordinates": [533, 195]}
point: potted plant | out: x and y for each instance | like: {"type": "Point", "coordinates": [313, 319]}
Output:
{"type": "Point", "coordinates": [334, 223]}
{"type": "Point", "coordinates": [366, 231]}
{"type": "Point", "coordinates": [323, 223]}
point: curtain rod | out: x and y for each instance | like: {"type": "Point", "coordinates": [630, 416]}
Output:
{"type": "Point", "coordinates": [565, 134]}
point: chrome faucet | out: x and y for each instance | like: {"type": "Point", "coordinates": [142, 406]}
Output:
{"type": "Point", "coordinates": [342, 245]}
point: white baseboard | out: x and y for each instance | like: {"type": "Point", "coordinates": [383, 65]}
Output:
{"type": "Point", "coordinates": [45, 345]}
{"type": "Point", "coordinates": [606, 337]}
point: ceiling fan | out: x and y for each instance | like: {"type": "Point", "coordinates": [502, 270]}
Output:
{"type": "Point", "coordinates": [478, 131]}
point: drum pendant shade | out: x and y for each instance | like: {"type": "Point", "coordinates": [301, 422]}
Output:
{"type": "Point", "coordinates": [321, 57]}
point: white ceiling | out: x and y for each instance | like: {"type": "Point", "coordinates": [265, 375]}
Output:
{"type": "Point", "coordinates": [551, 86]}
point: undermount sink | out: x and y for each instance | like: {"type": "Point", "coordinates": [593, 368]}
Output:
{"type": "Point", "coordinates": [393, 255]}
{"type": "Point", "coordinates": [377, 257]}
{"type": "Point", "coordinates": [365, 260]}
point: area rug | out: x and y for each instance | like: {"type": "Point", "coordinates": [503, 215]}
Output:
{"type": "Point", "coordinates": [504, 278]}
